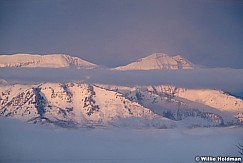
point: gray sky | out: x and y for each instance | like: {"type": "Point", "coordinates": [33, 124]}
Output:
{"type": "Point", "coordinates": [116, 32]}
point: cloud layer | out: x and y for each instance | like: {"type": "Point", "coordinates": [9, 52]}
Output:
{"type": "Point", "coordinates": [224, 79]}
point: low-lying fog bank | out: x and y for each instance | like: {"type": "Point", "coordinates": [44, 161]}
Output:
{"type": "Point", "coordinates": [22, 142]}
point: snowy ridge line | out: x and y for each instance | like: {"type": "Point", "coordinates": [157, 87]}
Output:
{"type": "Point", "coordinates": [159, 61]}
{"type": "Point", "coordinates": [50, 60]}
{"type": "Point", "coordinates": [86, 106]}
{"type": "Point", "coordinates": [169, 101]}
{"type": "Point", "coordinates": [152, 62]}
{"type": "Point", "coordinates": [81, 104]}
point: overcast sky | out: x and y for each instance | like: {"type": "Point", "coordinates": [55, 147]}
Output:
{"type": "Point", "coordinates": [116, 32]}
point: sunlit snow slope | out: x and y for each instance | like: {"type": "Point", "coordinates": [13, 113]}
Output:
{"type": "Point", "coordinates": [159, 61]}
{"type": "Point", "coordinates": [95, 105]}
{"type": "Point", "coordinates": [74, 104]}
{"type": "Point", "coordinates": [181, 103]}
{"type": "Point", "coordinates": [51, 61]}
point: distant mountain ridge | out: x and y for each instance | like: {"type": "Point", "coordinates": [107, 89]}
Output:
{"type": "Point", "coordinates": [49, 60]}
{"type": "Point", "coordinates": [158, 61]}
{"type": "Point", "coordinates": [155, 61]}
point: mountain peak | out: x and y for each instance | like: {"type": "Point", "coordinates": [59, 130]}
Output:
{"type": "Point", "coordinates": [157, 55]}
{"type": "Point", "coordinates": [159, 61]}
{"type": "Point", "coordinates": [47, 60]}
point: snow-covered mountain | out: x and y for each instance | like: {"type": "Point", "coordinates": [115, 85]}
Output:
{"type": "Point", "coordinates": [93, 105]}
{"type": "Point", "coordinates": [151, 62]}
{"type": "Point", "coordinates": [76, 105]}
{"type": "Point", "coordinates": [181, 104]}
{"type": "Point", "coordinates": [159, 61]}
{"type": "Point", "coordinates": [50, 61]}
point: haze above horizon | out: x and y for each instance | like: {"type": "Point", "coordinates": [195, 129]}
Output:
{"type": "Point", "coordinates": [114, 33]}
